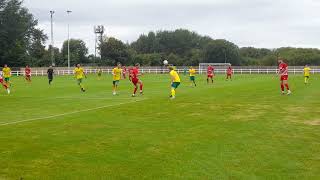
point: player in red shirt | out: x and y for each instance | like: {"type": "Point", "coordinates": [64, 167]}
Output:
{"type": "Point", "coordinates": [28, 73]}
{"type": "Point", "coordinates": [283, 73]}
{"type": "Point", "coordinates": [124, 72]}
{"type": "Point", "coordinates": [4, 84]}
{"type": "Point", "coordinates": [135, 79]}
{"type": "Point", "coordinates": [210, 73]}
{"type": "Point", "coordinates": [229, 73]}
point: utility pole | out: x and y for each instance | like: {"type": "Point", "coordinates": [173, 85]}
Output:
{"type": "Point", "coordinates": [52, 42]}
{"type": "Point", "coordinates": [68, 12]}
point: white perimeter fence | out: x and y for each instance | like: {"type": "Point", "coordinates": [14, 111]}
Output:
{"type": "Point", "coordinates": [59, 72]}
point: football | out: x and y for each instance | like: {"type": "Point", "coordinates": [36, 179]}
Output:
{"type": "Point", "coordinates": [165, 62]}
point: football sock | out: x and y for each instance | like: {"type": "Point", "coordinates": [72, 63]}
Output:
{"type": "Point", "coordinates": [282, 87]}
{"type": "Point", "coordinates": [173, 92]}
{"type": "Point", "coordinates": [135, 90]}
{"type": "Point", "coordinates": [287, 86]}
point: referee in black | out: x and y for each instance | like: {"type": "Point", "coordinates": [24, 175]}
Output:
{"type": "Point", "coordinates": [50, 74]}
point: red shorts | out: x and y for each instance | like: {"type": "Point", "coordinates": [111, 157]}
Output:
{"type": "Point", "coordinates": [210, 75]}
{"type": "Point", "coordinates": [135, 81]}
{"type": "Point", "coordinates": [284, 77]}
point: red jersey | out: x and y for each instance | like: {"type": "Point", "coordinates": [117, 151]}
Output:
{"type": "Point", "coordinates": [283, 69]}
{"type": "Point", "coordinates": [135, 73]}
{"type": "Point", "coordinates": [210, 70]}
{"type": "Point", "coordinates": [28, 71]}
{"type": "Point", "coordinates": [229, 70]}
{"type": "Point", "coordinates": [124, 70]}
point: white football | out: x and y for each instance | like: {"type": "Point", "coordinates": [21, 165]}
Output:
{"type": "Point", "coordinates": [165, 62]}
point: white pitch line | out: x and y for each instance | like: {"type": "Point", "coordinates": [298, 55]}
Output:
{"type": "Point", "coordinates": [69, 113]}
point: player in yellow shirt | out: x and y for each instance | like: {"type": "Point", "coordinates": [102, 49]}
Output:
{"type": "Point", "coordinates": [175, 81]}
{"type": "Point", "coordinates": [116, 72]}
{"type": "Point", "coordinates": [79, 75]}
{"type": "Point", "coordinates": [306, 72]}
{"type": "Point", "coordinates": [192, 73]}
{"type": "Point", "coordinates": [6, 74]}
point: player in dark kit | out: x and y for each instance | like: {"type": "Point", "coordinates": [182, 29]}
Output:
{"type": "Point", "coordinates": [50, 73]}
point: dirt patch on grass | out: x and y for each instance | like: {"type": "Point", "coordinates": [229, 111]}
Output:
{"type": "Point", "coordinates": [313, 122]}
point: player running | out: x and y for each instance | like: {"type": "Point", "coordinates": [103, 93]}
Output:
{"type": "Point", "coordinates": [116, 72]}
{"type": "Point", "coordinates": [210, 73]}
{"type": "Point", "coordinates": [79, 75]}
{"type": "Point", "coordinates": [192, 73]}
{"type": "Point", "coordinates": [175, 81]}
{"type": "Point", "coordinates": [6, 74]}
{"type": "Point", "coordinates": [306, 72]}
{"type": "Point", "coordinates": [124, 72]}
{"type": "Point", "coordinates": [27, 72]}
{"type": "Point", "coordinates": [4, 84]}
{"type": "Point", "coordinates": [135, 80]}
{"type": "Point", "coordinates": [283, 72]}
{"type": "Point", "coordinates": [229, 73]}
{"type": "Point", "coordinates": [50, 73]}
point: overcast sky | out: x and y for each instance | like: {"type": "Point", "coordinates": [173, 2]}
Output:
{"type": "Point", "coordinates": [258, 23]}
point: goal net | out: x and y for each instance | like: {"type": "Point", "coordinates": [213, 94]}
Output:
{"type": "Point", "coordinates": [218, 66]}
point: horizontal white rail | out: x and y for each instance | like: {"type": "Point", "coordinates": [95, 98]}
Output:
{"type": "Point", "coordinates": [163, 71]}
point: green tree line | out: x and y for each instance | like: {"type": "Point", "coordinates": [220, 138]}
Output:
{"type": "Point", "coordinates": [22, 43]}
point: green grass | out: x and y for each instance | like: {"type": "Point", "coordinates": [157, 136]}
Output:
{"type": "Point", "coordinates": [242, 129]}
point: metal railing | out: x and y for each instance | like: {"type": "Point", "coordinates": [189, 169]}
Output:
{"type": "Point", "coordinates": [163, 71]}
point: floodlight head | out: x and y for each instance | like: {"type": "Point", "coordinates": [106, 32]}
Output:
{"type": "Point", "coordinates": [68, 11]}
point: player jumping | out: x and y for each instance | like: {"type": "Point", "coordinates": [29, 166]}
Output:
{"type": "Point", "coordinates": [4, 84]}
{"type": "Point", "coordinates": [229, 73]}
{"type": "Point", "coordinates": [175, 81]}
{"type": "Point", "coordinates": [135, 80]}
{"type": "Point", "coordinates": [283, 72]}
{"type": "Point", "coordinates": [6, 74]}
{"type": "Point", "coordinates": [306, 72]}
{"type": "Point", "coordinates": [192, 73]}
{"type": "Point", "coordinates": [210, 73]}
{"type": "Point", "coordinates": [27, 72]}
{"type": "Point", "coordinates": [116, 72]}
{"type": "Point", "coordinates": [50, 73]}
{"type": "Point", "coordinates": [79, 75]}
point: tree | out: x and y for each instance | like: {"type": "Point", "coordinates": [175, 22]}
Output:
{"type": "Point", "coordinates": [78, 52]}
{"type": "Point", "coordinates": [220, 51]}
{"type": "Point", "coordinates": [113, 51]}
{"type": "Point", "coordinates": [17, 28]}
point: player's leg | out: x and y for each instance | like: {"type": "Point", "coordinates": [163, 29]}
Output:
{"type": "Point", "coordinates": [282, 86]}
{"type": "Point", "coordinates": [141, 86]}
{"type": "Point", "coordinates": [81, 85]}
{"type": "Point", "coordinates": [194, 81]}
{"type": "Point", "coordinates": [135, 90]}
{"type": "Point", "coordinates": [5, 86]}
{"type": "Point", "coordinates": [7, 81]}
{"type": "Point", "coordinates": [212, 79]}
{"type": "Point", "coordinates": [114, 87]}
{"type": "Point", "coordinates": [174, 86]}
{"type": "Point", "coordinates": [286, 84]}
{"type": "Point", "coordinates": [124, 76]}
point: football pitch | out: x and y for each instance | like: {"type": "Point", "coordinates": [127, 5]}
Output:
{"type": "Point", "coordinates": [240, 129]}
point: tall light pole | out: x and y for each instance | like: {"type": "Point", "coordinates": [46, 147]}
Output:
{"type": "Point", "coordinates": [68, 12]}
{"type": "Point", "coordinates": [52, 42]}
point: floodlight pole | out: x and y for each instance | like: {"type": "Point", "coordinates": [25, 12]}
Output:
{"type": "Point", "coordinates": [68, 12]}
{"type": "Point", "coordinates": [52, 42]}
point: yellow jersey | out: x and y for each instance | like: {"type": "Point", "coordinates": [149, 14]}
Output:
{"type": "Point", "coordinates": [306, 71]}
{"type": "Point", "coordinates": [192, 72]}
{"type": "Point", "coordinates": [175, 76]}
{"type": "Point", "coordinates": [79, 73]}
{"type": "Point", "coordinates": [116, 73]}
{"type": "Point", "coordinates": [6, 72]}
